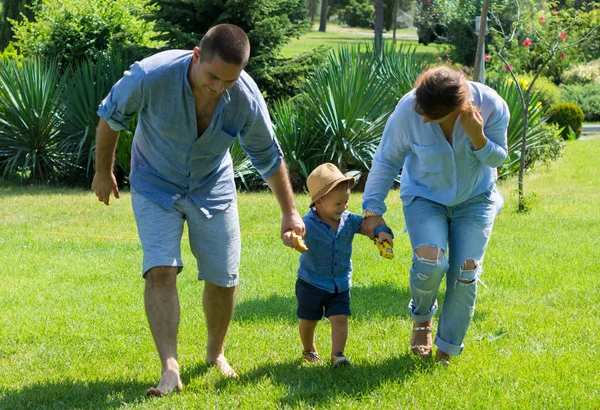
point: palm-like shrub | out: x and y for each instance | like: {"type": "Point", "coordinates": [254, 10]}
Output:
{"type": "Point", "coordinates": [347, 104]}
{"type": "Point", "coordinates": [399, 67]}
{"type": "Point", "coordinates": [542, 139]}
{"type": "Point", "coordinates": [302, 146]}
{"type": "Point", "coordinates": [89, 83]}
{"type": "Point", "coordinates": [31, 121]}
{"type": "Point", "coordinates": [242, 167]}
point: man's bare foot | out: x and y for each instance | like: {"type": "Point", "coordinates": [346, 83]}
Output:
{"type": "Point", "coordinates": [223, 365]}
{"type": "Point", "coordinates": [169, 382]}
{"type": "Point", "coordinates": [442, 358]}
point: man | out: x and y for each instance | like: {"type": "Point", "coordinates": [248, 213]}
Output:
{"type": "Point", "coordinates": [191, 105]}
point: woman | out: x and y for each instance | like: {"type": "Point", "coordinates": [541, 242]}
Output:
{"type": "Point", "coordinates": [448, 135]}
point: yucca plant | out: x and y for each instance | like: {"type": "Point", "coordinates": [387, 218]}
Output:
{"type": "Point", "coordinates": [31, 121]}
{"type": "Point", "coordinates": [348, 103]}
{"type": "Point", "coordinates": [538, 134]}
{"type": "Point", "coordinates": [302, 147]}
{"type": "Point", "coordinates": [89, 83]}
{"type": "Point", "coordinates": [242, 167]}
{"type": "Point", "coordinates": [399, 67]}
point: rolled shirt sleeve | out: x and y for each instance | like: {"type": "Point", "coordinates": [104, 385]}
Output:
{"type": "Point", "coordinates": [124, 100]}
{"type": "Point", "coordinates": [495, 151]}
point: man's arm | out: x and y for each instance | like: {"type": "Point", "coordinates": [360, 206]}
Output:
{"type": "Point", "coordinates": [290, 218]}
{"type": "Point", "coordinates": [104, 179]}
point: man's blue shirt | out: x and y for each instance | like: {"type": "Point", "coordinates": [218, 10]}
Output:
{"type": "Point", "coordinates": [168, 157]}
{"type": "Point", "coordinates": [327, 264]}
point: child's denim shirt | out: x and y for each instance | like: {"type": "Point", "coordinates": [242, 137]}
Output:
{"type": "Point", "coordinates": [327, 264]}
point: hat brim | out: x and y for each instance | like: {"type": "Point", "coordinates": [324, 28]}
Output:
{"type": "Point", "coordinates": [327, 188]}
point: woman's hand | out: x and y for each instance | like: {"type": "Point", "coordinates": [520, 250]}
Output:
{"type": "Point", "coordinates": [472, 123]}
{"type": "Point", "coordinates": [368, 225]}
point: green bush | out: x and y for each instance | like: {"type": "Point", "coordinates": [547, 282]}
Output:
{"type": "Point", "coordinates": [72, 30]}
{"type": "Point", "coordinates": [543, 142]}
{"type": "Point", "coordinates": [588, 73]}
{"type": "Point", "coordinates": [549, 93]}
{"type": "Point", "coordinates": [567, 115]}
{"type": "Point", "coordinates": [585, 96]}
{"type": "Point", "coordinates": [358, 14]}
{"type": "Point", "coordinates": [31, 138]}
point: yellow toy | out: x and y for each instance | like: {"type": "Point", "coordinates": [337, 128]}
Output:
{"type": "Point", "coordinates": [385, 249]}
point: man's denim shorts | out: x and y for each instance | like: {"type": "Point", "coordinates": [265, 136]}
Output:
{"type": "Point", "coordinates": [312, 301]}
{"type": "Point", "coordinates": [215, 241]}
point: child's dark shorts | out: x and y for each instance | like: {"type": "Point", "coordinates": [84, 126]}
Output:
{"type": "Point", "coordinates": [312, 301]}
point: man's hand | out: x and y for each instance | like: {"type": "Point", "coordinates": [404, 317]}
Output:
{"type": "Point", "coordinates": [291, 221]}
{"type": "Point", "coordinates": [472, 123]}
{"type": "Point", "coordinates": [103, 185]}
{"type": "Point", "coordinates": [368, 225]}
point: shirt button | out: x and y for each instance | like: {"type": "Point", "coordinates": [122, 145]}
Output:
{"type": "Point", "coordinates": [190, 101]}
{"type": "Point", "coordinates": [193, 123]}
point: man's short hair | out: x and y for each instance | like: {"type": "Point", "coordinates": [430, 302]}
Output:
{"type": "Point", "coordinates": [227, 41]}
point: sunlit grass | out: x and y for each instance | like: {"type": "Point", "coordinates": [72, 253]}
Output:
{"type": "Point", "coordinates": [73, 332]}
{"type": "Point", "coordinates": [314, 39]}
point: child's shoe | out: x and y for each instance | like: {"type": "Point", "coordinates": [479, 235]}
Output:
{"type": "Point", "coordinates": [310, 356]}
{"type": "Point", "coordinates": [340, 360]}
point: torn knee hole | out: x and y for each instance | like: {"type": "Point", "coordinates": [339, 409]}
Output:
{"type": "Point", "coordinates": [466, 281]}
{"type": "Point", "coordinates": [430, 254]}
{"type": "Point", "coordinates": [469, 264]}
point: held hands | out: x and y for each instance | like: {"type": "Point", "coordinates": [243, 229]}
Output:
{"type": "Point", "coordinates": [291, 239]}
{"type": "Point", "coordinates": [472, 122]}
{"type": "Point", "coordinates": [291, 222]}
{"type": "Point", "coordinates": [368, 225]}
{"type": "Point", "coordinates": [103, 185]}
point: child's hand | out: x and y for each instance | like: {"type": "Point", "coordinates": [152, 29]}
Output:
{"type": "Point", "coordinates": [293, 240]}
{"type": "Point", "coordinates": [384, 236]}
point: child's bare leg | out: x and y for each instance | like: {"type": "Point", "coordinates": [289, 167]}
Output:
{"type": "Point", "coordinates": [339, 334]}
{"type": "Point", "coordinates": [307, 334]}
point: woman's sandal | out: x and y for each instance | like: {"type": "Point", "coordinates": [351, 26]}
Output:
{"type": "Point", "coordinates": [421, 350]}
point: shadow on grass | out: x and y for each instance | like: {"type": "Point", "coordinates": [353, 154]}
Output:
{"type": "Point", "coordinates": [384, 300]}
{"type": "Point", "coordinates": [310, 386]}
{"type": "Point", "coordinates": [71, 394]}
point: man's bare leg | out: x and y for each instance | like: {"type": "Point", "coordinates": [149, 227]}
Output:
{"type": "Point", "coordinates": [162, 309]}
{"type": "Point", "coordinates": [218, 303]}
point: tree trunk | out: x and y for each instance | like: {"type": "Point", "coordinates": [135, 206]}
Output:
{"type": "Point", "coordinates": [324, 7]}
{"type": "Point", "coordinates": [521, 189]}
{"type": "Point", "coordinates": [395, 19]}
{"type": "Point", "coordinates": [378, 25]}
{"type": "Point", "coordinates": [481, 42]}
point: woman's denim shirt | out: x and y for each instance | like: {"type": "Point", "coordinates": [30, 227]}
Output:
{"type": "Point", "coordinates": [168, 157]}
{"type": "Point", "coordinates": [327, 264]}
{"type": "Point", "coordinates": [431, 167]}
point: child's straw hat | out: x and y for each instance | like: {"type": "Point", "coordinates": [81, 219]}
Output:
{"type": "Point", "coordinates": [323, 179]}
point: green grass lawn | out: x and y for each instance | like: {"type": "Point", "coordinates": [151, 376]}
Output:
{"type": "Point", "coordinates": [73, 332]}
{"type": "Point", "coordinates": [314, 39]}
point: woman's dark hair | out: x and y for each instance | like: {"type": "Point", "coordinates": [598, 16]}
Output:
{"type": "Point", "coordinates": [439, 91]}
{"type": "Point", "coordinates": [227, 41]}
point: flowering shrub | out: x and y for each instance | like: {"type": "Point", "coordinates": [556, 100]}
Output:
{"type": "Point", "coordinates": [539, 34]}
{"type": "Point", "coordinates": [588, 73]}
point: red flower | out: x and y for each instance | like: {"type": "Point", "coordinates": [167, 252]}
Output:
{"type": "Point", "coordinates": [554, 11]}
{"type": "Point", "coordinates": [562, 56]}
{"type": "Point", "coordinates": [563, 36]}
{"type": "Point", "coordinates": [487, 58]}
{"type": "Point", "coordinates": [542, 19]}
{"type": "Point", "coordinates": [508, 67]}
{"type": "Point", "coordinates": [527, 42]}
